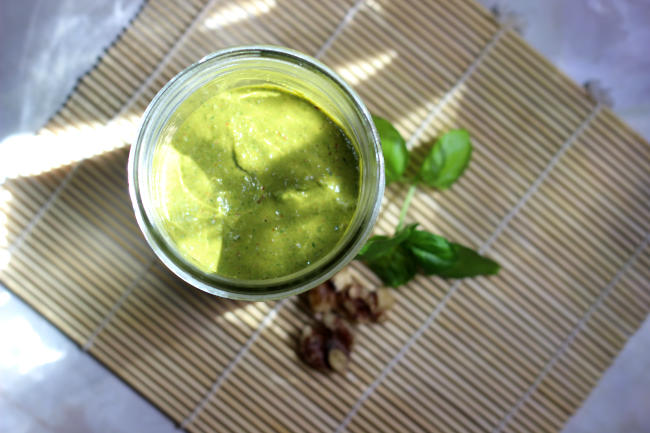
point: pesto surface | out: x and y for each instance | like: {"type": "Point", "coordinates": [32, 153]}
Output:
{"type": "Point", "coordinates": [256, 183]}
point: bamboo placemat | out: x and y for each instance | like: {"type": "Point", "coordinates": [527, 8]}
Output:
{"type": "Point", "coordinates": [558, 192]}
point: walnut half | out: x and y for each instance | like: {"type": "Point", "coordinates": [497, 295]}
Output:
{"type": "Point", "coordinates": [326, 344]}
{"type": "Point", "coordinates": [363, 305]}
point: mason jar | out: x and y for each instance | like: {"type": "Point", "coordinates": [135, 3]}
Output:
{"type": "Point", "coordinates": [290, 71]}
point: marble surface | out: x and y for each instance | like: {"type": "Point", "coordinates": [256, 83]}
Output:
{"type": "Point", "coordinates": [48, 384]}
{"type": "Point", "coordinates": [621, 401]}
{"type": "Point", "coordinates": [45, 47]}
{"type": "Point", "coordinates": [605, 40]}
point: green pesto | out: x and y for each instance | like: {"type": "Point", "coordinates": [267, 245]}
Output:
{"type": "Point", "coordinates": [256, 183]}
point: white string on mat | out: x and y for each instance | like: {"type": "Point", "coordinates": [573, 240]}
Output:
{"type": "Point", "coordinates": [117, 305]}
{"type": "Point", "coordinates": [231, 365]}
{"type": "Point", "coordinates": [454, 90]}
{"type": "Point", "coordinates": [344, 22]}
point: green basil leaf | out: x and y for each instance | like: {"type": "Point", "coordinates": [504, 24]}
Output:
{"type": "Point", "coordinates": [389, 259]}
{"type": "Point", "coordinates": [393, 146]}
{"type": "Point", "coordinates": [378, 246]}
{"type": "Point", "coordinates": [447, 159]}
{"type": "Point", "coordinates": [375, 247]}
{"type": "Point", "coordinates": [405, 233]}
{"type": "Point", "coordinates": [394, 269]}
{"type": "Point", "coordinates": [432, 253]}
{"type": "Point", "coordinates": [468, 263]}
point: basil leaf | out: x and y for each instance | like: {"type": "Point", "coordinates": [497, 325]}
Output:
{"type": "Point", "coordinates": [406, 232]}
{"type": "Point", "coordinates": [468, 263]}
{"type": "Point", "coordinates": [394, 269]}
{"type": "Point", "coordinates": [389, 259]}
{"type": "Point", "coordinates": [432, 253]}
{"type": "Point", "coordinates": [378, 246]}
{"type": "Point", "coordinates": [447, 159]}
{"type": "Point", "coordinates": [393, 146]}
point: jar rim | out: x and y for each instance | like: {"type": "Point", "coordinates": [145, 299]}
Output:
{"type": "Point", "coordinates": [252, 290]}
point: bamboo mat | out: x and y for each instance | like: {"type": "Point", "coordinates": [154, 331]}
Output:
{"type": "Point", "coordinates": [558, 192]}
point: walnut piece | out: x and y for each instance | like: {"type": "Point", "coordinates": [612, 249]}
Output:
{"type": "Point", "coordinates": [363, 305]}
{"type": "Point", "coordinates": [337, 357]}
{"type": "Point", "coordinates": [326, 345]}
{"type": "Point", "coordinates": [356, 302]}
{"type": "Point", "coordinates": [322, 298]}
{"type": "Point", "coordinates": [312, 347]}
{"type": "Point", "coordinates": [383, 300]}
{"type": "Point", "coordinates": [343, 279]}
{"type": "Point", "coordinates": [339, 329]}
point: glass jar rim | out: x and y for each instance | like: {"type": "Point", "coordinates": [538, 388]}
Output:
{"type": "Point", "coordinates": [252, 289]}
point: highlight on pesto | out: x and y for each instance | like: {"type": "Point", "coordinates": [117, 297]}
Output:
{"type": "Point", "coordinates": [256, 183]}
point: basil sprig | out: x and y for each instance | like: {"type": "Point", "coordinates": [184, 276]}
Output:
{"type": "Point", "coordinates": [396, 259]}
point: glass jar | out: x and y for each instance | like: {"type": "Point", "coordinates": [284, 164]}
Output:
{"type": "Point", "coordinates": [291, 71]}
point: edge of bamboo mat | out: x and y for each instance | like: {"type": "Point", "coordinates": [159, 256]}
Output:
{"type": "Point", "coordinates": [432, 120]}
